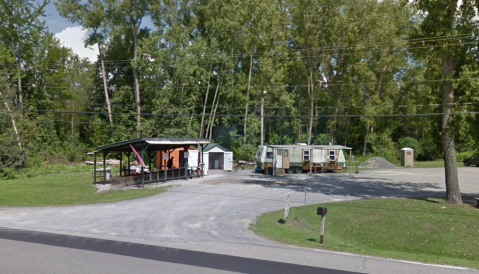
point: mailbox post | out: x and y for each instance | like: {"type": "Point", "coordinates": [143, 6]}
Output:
{"type": "Point", "coordinates": [322, 211]}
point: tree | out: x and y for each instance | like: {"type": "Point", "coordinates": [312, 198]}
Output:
{"type": "Point", "coordinates": [442, 22]}
{"type": "Point", "coordinates": [21, 32]}
{"type": "Point", "coordinates": [130, 14]}
{"type": "Point", "coordinates": [92, 16]}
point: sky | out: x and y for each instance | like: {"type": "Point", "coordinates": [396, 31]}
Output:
{"type": "Point", "coordinates": [70, 34]}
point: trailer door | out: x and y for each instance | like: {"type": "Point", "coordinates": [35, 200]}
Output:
{"type": "Point", "coordinates": [286, 158]}
{"type": "Point", "coordinates": [279, 158]}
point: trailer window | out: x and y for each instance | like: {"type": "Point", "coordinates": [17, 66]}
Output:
{"type": "Point", "coordinates": [259, 153]}
{"type": "Point", "coordinates": [286, 153]}
{"type": "Point", "coordinates": [269, 154]}
{"type": "Point", "coordinates": [305, 155]}
{"type": "Point", "coordinates": [332, 155]}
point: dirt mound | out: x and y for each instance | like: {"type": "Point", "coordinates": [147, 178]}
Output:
{"type": "Point", "coordinates": [378, 162]}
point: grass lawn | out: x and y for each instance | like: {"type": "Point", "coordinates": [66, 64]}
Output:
{"type": "Point", "coordinates": [63, 189]}
{"type": "Point", "coordinates": [435, 163]}
{"type": "Point", "coordinates": [424, 230]}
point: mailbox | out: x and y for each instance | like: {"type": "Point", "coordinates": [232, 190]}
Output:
{"type": "Point", "coordinates": [322, 211]}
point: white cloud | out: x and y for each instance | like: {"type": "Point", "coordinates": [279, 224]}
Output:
{"type": "Point", "coordinates": [74, 38]}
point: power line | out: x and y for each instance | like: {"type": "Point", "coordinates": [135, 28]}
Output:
{"type": "Point", "coordinates": [255, 104]}
{"type": "Point", "coordinates": [256, 116]}
{"type": "Point", "coordinates": [319, 49]}
{"type": "Point", "coordinates": [324, 84]}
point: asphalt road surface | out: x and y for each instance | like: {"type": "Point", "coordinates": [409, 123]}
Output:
{"type": "Point", "coordinates": [212, 216]}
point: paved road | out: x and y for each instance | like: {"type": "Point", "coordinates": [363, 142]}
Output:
{"type": "Point", "coordinates": [213, 214]}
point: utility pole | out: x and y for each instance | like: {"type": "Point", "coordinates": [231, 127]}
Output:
{"type": "Point", "coordinates": [262, 119]}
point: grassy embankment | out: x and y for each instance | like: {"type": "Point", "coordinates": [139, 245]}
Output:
{"type": "Point", "coordinates": [67, 186]}
{"type": "Point", "coordinates": [426, 230]}
{"type": "Point", "coordinates": [460, 156]}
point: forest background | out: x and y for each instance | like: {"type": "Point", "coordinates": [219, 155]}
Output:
{"type": "Point", "coordinates": [373, 75]}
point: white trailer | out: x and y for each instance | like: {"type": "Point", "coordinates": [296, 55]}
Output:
{"type": "Point", "coordinates": [297, 158]}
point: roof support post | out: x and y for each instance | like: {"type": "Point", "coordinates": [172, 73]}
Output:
{"type": "Point", "coordinates": [94, 168]}
{"type": "Point", "coordinates": [185, 150]}
{"type": "Point", "coordinates": [202, 159]}
{"type": "Point", "coordinates": [121, 166]}
{"type": "Point", "coordinates": [164, 169]}
{"type": "Point", "coordinates": [142, 168]}
{"type": "Point", "coordinates": [129, 169]}
{"type": "Point", "coordinates": [149, 163]}
{"type": "Point", "coordinates": [104, 166]}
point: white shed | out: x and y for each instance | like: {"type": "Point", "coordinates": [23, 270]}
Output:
{"type": "Point", "coordinates": [216, 156]}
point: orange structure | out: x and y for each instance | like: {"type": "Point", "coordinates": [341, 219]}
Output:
{"type": "Point", "coordinates": [176, 154]}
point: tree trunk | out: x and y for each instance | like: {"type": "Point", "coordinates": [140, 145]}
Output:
{"type": "Point", "coordinates": [13, 121]}
{"type": "Point", "coordinates": [381, 78]}
{"type": "Point", "coordinates": [213, 106]}
{"type": "Point", "coordinates": [137, 82]}
{"type": "Point", "coordinates": [450, 163]}
{"type": "Point", "coordinates": [365, 138]}
{"type": "Point", "coordinates": [20, 91]}
{"type": "Point", "coordinates": [214, 116]}
{"type": "Point", "coordinates": [105, 88]}
{"type": "Point", "coordinates": [247, 96]}
{"type": "Point", "coordinates": [191, 119]}
{"type": "Point", "coordinates": [204, 105]}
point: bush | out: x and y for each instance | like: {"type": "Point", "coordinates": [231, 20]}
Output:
{"type": "Point", "coordinates": [9, 173]}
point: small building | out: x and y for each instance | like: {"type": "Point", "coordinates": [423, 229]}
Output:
{"type": "Point", "coordinates": [407, 156]}
{"type": "Point", "coordinates": [217, 157]}
{"type": "Point", "coordinates": [178, 157]}
{"type": "Point", "coordinates": [146, 148]}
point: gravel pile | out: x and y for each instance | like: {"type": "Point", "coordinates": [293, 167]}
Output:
{"type": "Point", "coordinates": [378, 162]}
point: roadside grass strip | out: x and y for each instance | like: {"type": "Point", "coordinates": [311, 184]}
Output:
{"type": "Point", "coordinates": [63, 189]}
{"type": "Point", "coordinates": [417, 229]}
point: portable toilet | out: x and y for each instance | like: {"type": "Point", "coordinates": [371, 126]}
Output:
{"type": "Point", "coordinates": [407, 156]}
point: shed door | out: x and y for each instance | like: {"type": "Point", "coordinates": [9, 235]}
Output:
{"type": "Point", "coordinates": [228, 160]}
{"type": "Point", "coordinates": [285, 158]}
{"type": "Point", "coordinates": [206, 160]}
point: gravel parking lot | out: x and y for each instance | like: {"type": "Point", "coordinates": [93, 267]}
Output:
{"type": "Point", "coordinates": [213, 214]}
{"type": "Point", "coordinates": [220, 207]}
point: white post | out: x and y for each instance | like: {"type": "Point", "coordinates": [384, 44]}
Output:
{"type": "Point", "coordinates": [323, 222]}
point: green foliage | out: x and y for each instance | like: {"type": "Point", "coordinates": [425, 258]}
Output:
{"type": "Point", "coordinates": [351, 63]}
{"type": "Point", "coordinates": [12, 157]}
{"type": "Point", "coordinates": [412, 143]}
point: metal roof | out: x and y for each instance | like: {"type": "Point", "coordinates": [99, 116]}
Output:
{"type": "Point", "coordinates": [324, 147]}
{"type": "Point", "coordinates": [213, 145]}
{"type": "Point", "coordinates": [152, 143]}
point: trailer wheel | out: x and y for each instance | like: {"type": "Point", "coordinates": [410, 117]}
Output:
{"type": "Point", "coordinates": [298, 170]}
{"type": "Point", "coordinates": [289, 171]}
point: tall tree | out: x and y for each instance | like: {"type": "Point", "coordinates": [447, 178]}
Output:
{"type": "Point", "coordinates": [129, 14]}
{"type": "Point", "coordinates": [91, 15]}
{"type": "Point", "coordinates": [441, 23]}
{"type": "Point", "coordinates": [21, 32]}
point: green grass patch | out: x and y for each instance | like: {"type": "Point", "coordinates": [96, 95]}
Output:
{"type": "Point", "coordinates": [68, 188]}
{"type": "Point", "coordinates": [426, 230]}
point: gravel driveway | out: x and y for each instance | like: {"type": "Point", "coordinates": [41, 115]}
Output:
{"type": "Point", "coordinates": [220, 207]}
